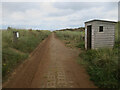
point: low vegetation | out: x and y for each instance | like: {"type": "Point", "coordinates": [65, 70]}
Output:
{"type": "Point", "coordinates": [101, 64]}
{"type": "Point", "coordinates": [72, 38]}
{"type": "Point", "coordinates": [14, 53]}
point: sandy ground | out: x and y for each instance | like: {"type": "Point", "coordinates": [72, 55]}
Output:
{"type": "Point", "coordinates": [50, 65]}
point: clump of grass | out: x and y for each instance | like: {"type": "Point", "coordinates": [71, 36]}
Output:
{"type": "Point", "coordinates": [102, 66]}
{"type": "Point", "coordinates": [14, 53]}
{"type": "Point", "coordinates": [81, 45]}
{"type": "Point", "coordinates": [72, 38]}
{"type": "Point", "coordinates": [27, 42]}
{"type": "Point", "coordinates": [10, 60]}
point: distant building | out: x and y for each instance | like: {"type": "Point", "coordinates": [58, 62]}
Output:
{"type": "Point", "coordinates": [99, 34]}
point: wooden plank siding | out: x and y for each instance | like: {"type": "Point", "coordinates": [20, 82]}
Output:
{"type": "Point", "coordinates": [101, 39]}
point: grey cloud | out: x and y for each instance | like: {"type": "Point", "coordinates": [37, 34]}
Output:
{"type": "Point", "coordinates": [61, 13]}
{"type": "Point", "coordinates": [84, 5]}
{"type": "Point", "coordinates": [19, 6]}
{"type": "Point", "coordinates": [74, 13]}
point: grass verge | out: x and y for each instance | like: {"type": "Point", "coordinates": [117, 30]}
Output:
{"type": "Point", "coordinates": [102, 66]}
{"type": "Point", "coordinates": [72, 38]}
{"type": "Point", "coordinates": [15, 53]}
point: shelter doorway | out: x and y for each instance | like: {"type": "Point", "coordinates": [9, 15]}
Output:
{"type": "Point", "coordinates": [89, 34]}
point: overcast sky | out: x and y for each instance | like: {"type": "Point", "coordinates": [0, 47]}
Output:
{"type": "Point", "coordinates": [55, 15]}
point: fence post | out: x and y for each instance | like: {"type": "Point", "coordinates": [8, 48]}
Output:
{"type": "Point", "coordinates": [15, 36]}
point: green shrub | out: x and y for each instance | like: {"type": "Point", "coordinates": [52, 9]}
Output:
{"type": "Point", "coordinates": [102, 66]}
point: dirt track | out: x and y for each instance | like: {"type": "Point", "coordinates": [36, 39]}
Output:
{"type": "Point", "coordinates": [51, 65]}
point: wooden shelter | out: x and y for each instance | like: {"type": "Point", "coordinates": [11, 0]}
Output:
{"type": "Point", "coordinates": [99, 34]}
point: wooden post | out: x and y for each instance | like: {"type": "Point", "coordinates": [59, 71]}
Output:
{"type": "Point", "coordinates": [15, 36]}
